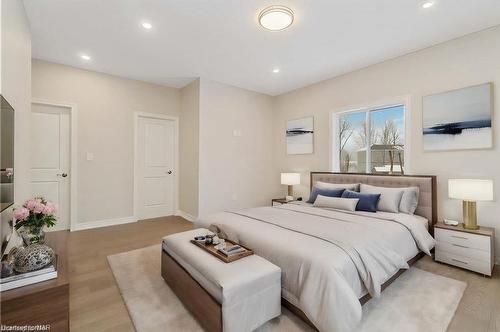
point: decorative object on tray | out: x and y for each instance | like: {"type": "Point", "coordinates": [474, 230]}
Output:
{"type": "Point", "coordinates": [470, 191]}
{"type": "Point", "coordinates": [300, 136]}
{"type": "Point", "coordinates": [226, 250]}
{"type": "Point", "coordinates": [32, 217]}
{"type": "Point", "coordinates": [223, 233]}
{"type": "Point", "coordinates": [290, 179]}
{"type": "Point", "coordinates": [33, 257]}
{"type": "Point", "coordinates": [458, 119]}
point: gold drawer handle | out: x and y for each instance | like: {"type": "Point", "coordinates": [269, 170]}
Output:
{"type": "Point", "coordinates": [456, 260]}
{"type": "Point", "coordinates": [459, 237]}
{"type": "Point", "coordinates": [457, 245]}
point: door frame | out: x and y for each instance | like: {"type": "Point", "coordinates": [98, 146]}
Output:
{"type": "Point", "coordinates": [175, 119]}
{"type": "Point", "coordinates": [73, 160]}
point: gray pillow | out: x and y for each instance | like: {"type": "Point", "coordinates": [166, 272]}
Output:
{"type": "Point", "coordinates": [390, 198]}
{"type": "Point", "coordinates": [347, 186]}
{"type": "Point", "coordinates": [409, 201]}
{"type": "Point", "coordinates": [348, 204]}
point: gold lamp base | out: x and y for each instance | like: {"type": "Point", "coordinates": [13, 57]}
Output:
{"type": "Point", "coordinates": [470, 218]}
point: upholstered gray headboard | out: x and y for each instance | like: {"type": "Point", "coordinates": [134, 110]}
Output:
{"type": "Point", "coordinates": [427, 204]}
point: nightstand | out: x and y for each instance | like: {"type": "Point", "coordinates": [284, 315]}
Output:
{"type": "Point", "coordinates": [469, 249]}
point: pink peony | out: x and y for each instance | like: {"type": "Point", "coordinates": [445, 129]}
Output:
{"type": "Point", "coordinates": [31, 204]}
{"type": "Point", "coordinates": [50, 208]}
{"type": "Point", "coordinates": [39, 207]}
{"type": "Point", "coordinates": [21, 214]}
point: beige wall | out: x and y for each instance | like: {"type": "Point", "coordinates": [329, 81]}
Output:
{"type": "Point", "coordinates": [15, 83]}
{"type": "Point", "coordinates": [466, 61]}
{"type": "Point", "coordinates": [189, 148]}
{"type": "Point", "coordinates": [106, 106]}
{"type": "Point", "coordinates": [235, 171]}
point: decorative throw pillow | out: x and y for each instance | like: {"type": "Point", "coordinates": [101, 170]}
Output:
{"type": "Point", "coordinates": [346, 186]}
{"type": "Point", "coordinates": [348, 204]}
{"type": "Point", "coordinates": [409, 201]}
{"type": "Point", "coordinates": [390, 198]}
{"type": "Point", "coordinates": [324, 192]}
{"type": "Point", "coordinates": [367, 202]}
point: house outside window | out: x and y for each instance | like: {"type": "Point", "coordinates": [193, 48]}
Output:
{"type": "Point", "coordinates": [371, 140]}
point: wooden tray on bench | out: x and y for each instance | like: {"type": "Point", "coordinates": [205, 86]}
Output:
{"type": "Point", "coordinates": [210, 248]}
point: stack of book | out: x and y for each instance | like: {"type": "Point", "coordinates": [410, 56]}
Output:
{"type": "Point", "coordinates": [22, 279]}
{"type": "Point", "coordinates": [232, 250]}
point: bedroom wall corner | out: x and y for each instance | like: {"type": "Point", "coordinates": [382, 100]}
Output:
{"type": "Point", "coordinates": [189, 126]}
{"type": "Point", "coordinates": [236, 148]}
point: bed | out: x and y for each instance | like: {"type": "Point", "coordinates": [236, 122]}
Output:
{"type": "Point", "coordinates": [333, 261]}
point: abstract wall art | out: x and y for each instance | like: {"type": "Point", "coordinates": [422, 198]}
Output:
{"type": "Point", "coordinates": [300, 136]}
{"type": "Point", "coordinates": [459, 119]}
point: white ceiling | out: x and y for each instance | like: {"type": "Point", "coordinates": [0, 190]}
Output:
{"type": "Point", "coordinates": [221, 39]}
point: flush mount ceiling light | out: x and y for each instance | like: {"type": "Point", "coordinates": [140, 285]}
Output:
{"type": "Point", "coordinates": [85, 57]}
{"type": "Point", "coordinates": [147, 25]}
{"type": "Point", "coordinates": [427, 4]}
{"type": "Point", "coordinates": [276, 18]}
{"type": "Point", "coordinates": [276, 70]}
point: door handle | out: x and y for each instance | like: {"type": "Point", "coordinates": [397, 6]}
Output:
{"type": "Point", "coordinates": [169, 172]}
{"type": "Point", "coordinates": [62, 175]}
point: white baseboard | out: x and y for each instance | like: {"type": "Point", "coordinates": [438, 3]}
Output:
{"type": "Point", "coordinates": [185, 215]}
{"type": "Point", "coordinates": [103, 223]}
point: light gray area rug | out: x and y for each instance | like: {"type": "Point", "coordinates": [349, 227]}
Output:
{"type": "Point", "coordinates": [416, 301]}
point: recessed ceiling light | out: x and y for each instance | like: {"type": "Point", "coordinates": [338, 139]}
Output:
{"type": "Point", "coordinates": [85, 57]}
{"type": "Point", "coordinates": [276, 70]}
{"type": "Point", "coordinates": [147, 25]}
{"type": "Point", "coordinates": [276, 18]}
{"type": "Point", "coordinates": [428, 4]}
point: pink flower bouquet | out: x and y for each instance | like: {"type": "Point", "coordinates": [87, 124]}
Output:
{"type": "Point", "coordinates": [34, 215]}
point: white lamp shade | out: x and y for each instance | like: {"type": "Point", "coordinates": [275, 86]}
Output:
{"type": "Point", "coordinates": [470, 189]}
{"type": "Point", "coordinates": [290, 178]}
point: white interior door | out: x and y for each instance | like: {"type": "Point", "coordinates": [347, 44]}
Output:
{"type": "Point", "coordinates": [50, 158]}
{"type": "Point", "coordinates": [155, 176]}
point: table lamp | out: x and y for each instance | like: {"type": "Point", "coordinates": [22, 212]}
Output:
{"type": "Point", "coordinates": [470, 191]}
{"type": "Point", "coordinates": [290, 179]}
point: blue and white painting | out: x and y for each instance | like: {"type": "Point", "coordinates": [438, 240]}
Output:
{"type": "Point", "coordinates": [300, 136]}
{"type": "Point", "coordinates": [458, 119]}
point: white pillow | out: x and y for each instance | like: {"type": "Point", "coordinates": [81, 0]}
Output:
{"type": "Point", "coordinates": [347, 186]}
{"type": "Point", "coordinates": [390, 198]}
{"type": "Point", "coordinates": [348, 204]}
{"type": "Point", "coordinates": [409, 201]}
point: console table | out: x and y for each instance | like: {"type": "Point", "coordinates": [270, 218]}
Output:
{"type": "Point", "coordinates": [44, 303]}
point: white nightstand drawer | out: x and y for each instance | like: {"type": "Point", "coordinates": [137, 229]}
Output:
{"type": "Point", "coordinates": [464, 262]}
{"type": "Point", "coordinates": [468, 240]}
{"type": "Point", "coordinates": [460, 250]}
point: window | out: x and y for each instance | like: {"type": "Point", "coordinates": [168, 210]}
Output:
{"type": "Point", "coordinates": [371, 140]}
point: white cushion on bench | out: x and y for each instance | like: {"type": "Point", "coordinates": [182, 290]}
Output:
{"type": "Point", "coordinates": [249, 289]}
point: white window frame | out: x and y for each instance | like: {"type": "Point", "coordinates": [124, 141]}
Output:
{"type": "Point", "coordinates": [387, 103]}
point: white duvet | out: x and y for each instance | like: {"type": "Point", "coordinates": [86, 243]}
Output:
{"type": "Point", "coordinates": [329, 258]}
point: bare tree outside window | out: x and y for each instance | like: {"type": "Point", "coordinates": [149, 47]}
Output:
{"type": "Point", "coordinates": [361, 138]}
{"type": "Point", "coordinates": [379, 147]}
{"type": "Point", "coordinates": [391, 137]}
{"type": "Point", "coordinates": [345, 134]}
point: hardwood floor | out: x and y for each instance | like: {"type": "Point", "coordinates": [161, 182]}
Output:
{"type": "Point", "coordinates": [96, 303]}
{"type": "Point", "coordinates": [95, 300]}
